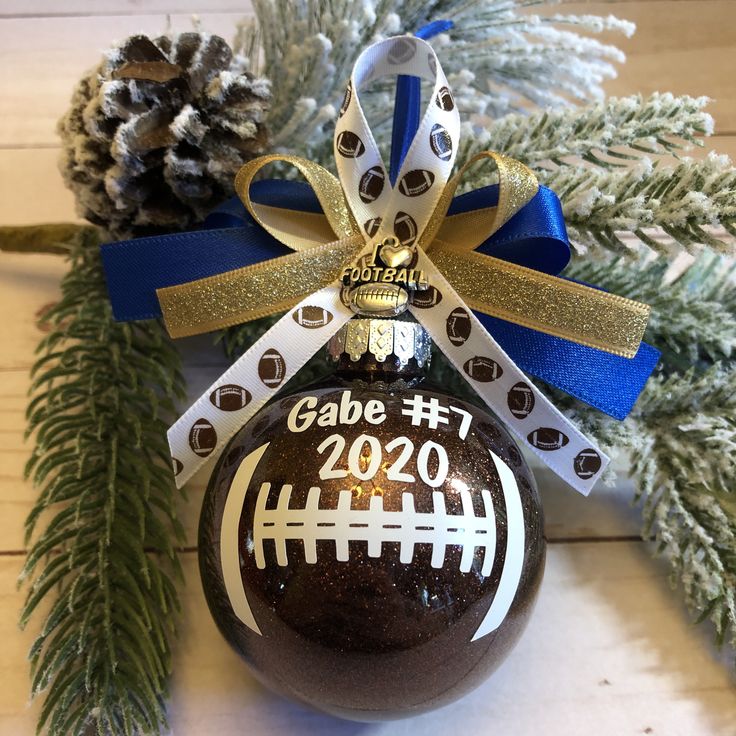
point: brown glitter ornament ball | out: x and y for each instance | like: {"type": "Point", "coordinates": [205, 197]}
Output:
{"type": "Point", "coordinates": [371, 546]}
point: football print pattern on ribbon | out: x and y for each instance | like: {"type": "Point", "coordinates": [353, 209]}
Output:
{"type": "Point", "coordinates": [444, 99]}
{"type": "Point", "coordinates": [253, 379]}
{"type": "Point", "coordinates": [520, 400]}
{"type": "Point", "coordinates": [312, 317]}
{"type": "Point", "coordinates": [440, 142]}
{"type": "Point", "coordinates": [230, 397]}
{"type": "Point", "coordinates": [401, 211]}
{"type": "Point", "coordinates": [497, 380]}
{"type": "Point", "coordinates": [405, 228]}
{"type": "Point", "coordinates": [349, 145]}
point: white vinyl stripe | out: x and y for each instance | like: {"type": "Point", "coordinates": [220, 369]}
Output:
{"type": "Point", "coordinates": [515, 544]}
{"type": "Point", "coordinates": [229, 542]}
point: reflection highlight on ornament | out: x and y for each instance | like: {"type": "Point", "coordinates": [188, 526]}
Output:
{"type": "Point", "coordinates": [459, 485]}
{"type": "Point", "coordinates": [358, 491]}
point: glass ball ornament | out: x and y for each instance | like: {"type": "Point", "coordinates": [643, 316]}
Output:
{"type": "Point", "coordinates": [370, 545]}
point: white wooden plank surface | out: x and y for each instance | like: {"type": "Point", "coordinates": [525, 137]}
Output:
{"type": "Point", "coordinates": [682, 46]}
{"type": "Point", "coordinates": [610, 649]}
{"type": "Point", "coordinates": [41, 59]}
{"type": "Point", "coordinates": [53, 8]}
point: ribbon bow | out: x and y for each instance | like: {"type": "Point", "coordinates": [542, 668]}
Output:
{"type": "Point", "coordinates": [416, 208]}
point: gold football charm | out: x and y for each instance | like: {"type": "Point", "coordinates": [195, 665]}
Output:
{"type": "Point", "coordinates": [379, 284]}
{"type": "Point", "coordinates": [379, 300]}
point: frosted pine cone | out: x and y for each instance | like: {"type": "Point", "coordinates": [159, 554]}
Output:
{"type": "Point", "coordinates": [155, 134]}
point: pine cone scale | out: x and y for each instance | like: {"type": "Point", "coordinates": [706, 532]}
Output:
{"type": "Point", "coordinates": [151, 71]}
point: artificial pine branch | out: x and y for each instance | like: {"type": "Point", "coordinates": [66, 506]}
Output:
{"type": "Point", "coordinates": [499, 58]}
{"type": "Point", "coordinates": [609, 133]}
{"type": "Point", "coordinates": [682, 200]}
{"type": "Point", "coordinates": [510, 57]}
{"type": "Point", "coordinates": [606, 163]}
{"type": "Point", "coordinates": [686, 479]}
{"type": "Point", "coordinates": [102, 394]}
{"type": "Point", "coordinates": [51, 238]}
{"type": "Point", "coordinates": [681, 438]}
{"type": "Point", "coordinates": [681, 435]}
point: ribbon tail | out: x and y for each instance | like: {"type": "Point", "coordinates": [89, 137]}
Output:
{"type": "Point", "coordinates": [498, 381]}
{"type": "Point", "coordinates": [208, 425]}
{"type": "Point", "coordinates": [607, 382]}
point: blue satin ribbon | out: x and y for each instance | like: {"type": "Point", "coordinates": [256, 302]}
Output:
{"type": "Point", "coordinates": [535, 237]}
{"type": "Point", "coordinates": [229, 238]}
{"type": "Point", "coordinates": [408, 104]}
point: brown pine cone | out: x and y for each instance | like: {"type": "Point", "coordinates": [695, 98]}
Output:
{"type": "Point", "coordinates": [155, 134]}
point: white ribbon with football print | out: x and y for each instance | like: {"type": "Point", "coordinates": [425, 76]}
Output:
{"type": "Point", "coordinates": [403, 212]}
{"type": "Point", "coordinates": [380, 209]}
{"type": "Point", "coordinates": [482, 362]}
{"type": "Point", "coordinates": [209, 424]}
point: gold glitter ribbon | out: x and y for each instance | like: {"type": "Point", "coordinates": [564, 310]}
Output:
{"type": "Point", "coordinates": [254, 291]}
{"type": "Point", "coordinates": [325, 243]}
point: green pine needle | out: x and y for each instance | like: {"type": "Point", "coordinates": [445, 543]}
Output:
{"type": "Point", "coordinates": [104, 560]}
{"type": "Point", "coordinates": [607, 134]}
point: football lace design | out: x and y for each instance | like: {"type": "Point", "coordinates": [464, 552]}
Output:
{"type": "Point", "coordinates": [375, 526]}
{"type": "Point", "coordinates": [369, 292]}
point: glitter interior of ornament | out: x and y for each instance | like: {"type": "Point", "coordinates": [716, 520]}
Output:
{"type": "Point", "coordinates": [375, 537]}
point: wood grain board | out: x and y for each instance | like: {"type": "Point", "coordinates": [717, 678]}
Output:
{"type": "Point", "coordinates": [610, 649]}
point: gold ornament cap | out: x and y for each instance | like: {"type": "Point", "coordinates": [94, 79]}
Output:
{"type": "Point", "coordinates": [381, 338]}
